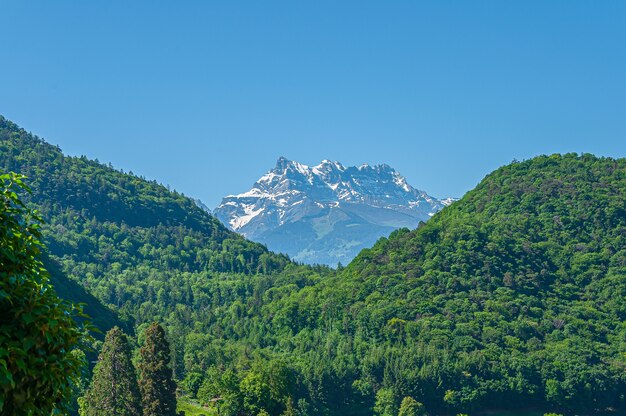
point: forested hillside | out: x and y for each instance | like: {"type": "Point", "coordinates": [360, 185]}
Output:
{"type": "Point", "coordinates": [514, 296]}
{"type": "Point", "coordinates": [146, 252]}
{"type": "Point", "coordinates": [102, 317]}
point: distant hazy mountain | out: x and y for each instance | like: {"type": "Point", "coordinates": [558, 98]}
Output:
{"type": "Point", "coordinates": [326, 213]}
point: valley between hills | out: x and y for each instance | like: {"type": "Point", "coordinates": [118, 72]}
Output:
{"type": "Point", "coordinates": [511, 299]}
{"type": "Point", "coordinates": [326, 214]}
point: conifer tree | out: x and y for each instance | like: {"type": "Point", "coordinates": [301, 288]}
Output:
{"type": "Point", "coordinates": [114, 389]}
{"type": "Point", "coordinates": [158, 389]}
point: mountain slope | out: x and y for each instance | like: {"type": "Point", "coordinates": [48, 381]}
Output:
{"type": "Point", "coordinates": [516, 294]}
{"type": "Point", "coordinates": [85, 195]}
{"type": "Point", "coordinates": [100, 316]}
{"type": "Point", "coordinates": [140, 249]}
{"type": "Point", "coordinates": [326, 213]}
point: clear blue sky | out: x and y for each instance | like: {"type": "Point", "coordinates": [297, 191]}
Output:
{"type": "Point", "coordinates": [204, 96]}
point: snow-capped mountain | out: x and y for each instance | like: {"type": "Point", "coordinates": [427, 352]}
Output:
{"type": "Point", "coordinates": [326, 213]}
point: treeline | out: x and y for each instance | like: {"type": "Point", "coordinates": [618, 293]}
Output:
{"type": "Point", "coordinates": [514, 294]}
{"type": "Point", "coordinates": [99, 214]}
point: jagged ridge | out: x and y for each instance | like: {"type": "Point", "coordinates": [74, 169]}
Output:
{"type": "Point", "coordinates": [326, 213]}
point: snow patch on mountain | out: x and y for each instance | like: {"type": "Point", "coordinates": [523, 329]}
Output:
{"type": "Point", "coordinates": [326, 213]}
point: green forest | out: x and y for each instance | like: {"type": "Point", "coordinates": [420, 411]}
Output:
{"type": "Point", "coordinates": [511, 299]}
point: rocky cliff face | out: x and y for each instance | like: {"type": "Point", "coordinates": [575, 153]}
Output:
{"type": "Point", "coordinates": [326, 213]}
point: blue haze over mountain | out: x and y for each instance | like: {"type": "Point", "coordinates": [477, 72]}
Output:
{"type": "Point", "coordinates": [326, 213]}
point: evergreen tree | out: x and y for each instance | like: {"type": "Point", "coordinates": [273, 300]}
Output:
{"type": "Point", "coordinates": [114, 389]}
{"type": "Point", "coordinates": [158, 390]}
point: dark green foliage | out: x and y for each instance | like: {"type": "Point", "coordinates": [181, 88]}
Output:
{"type": "Point", "coordinates": [113, 389]}
{"type": "Point", "coordinates": [139, 248]}
{"type": "Point", "coordinates": [37, 330]}
{"type": "Point", "coordinates": [101, 214]}
{"type": "Point", "coordinates": [158, 390]}
{"type": "Point", "coordinates": [154, 256]}
{"type": "Point", "coordinates": [100, 316]}
{"type": "Point", "coordinates": [515, 294]}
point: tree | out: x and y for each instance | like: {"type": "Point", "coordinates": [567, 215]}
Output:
{"type": "Point", "coordinates": [256, 391]}
{"type": "Point", "coordinates": [385, 402]}
{"type": "Point", "coordinates": [37, 329]}
{"type": "Point", "coordinates": [114, 389]}
{"type": "Point", "coordinates": [158, 390]}
{"type": "Point", "coordinates": [266, 386]}
{"type": "Point", "coordinates": [411, 407]}
{"type": "Point", "coordinates": [290, 410]}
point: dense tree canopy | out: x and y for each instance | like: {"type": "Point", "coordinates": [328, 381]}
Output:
{"type": "Point", "coordinates": [514, 294]}
{"type": "Point", "coordinates": [144, 251]}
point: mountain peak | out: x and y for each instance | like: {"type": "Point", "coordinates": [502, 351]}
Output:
{"type": "Point", "coordinates": [282, 163]}
{"type": "Point", "coordinates": [298, 209]}
{"type": "Point", "coordinates": [328, 170]}
{"type": "Point", "coordinates": [284, 166]}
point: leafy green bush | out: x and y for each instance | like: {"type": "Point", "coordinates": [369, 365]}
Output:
{"type": "Point", "coordinates": [37, 329]}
